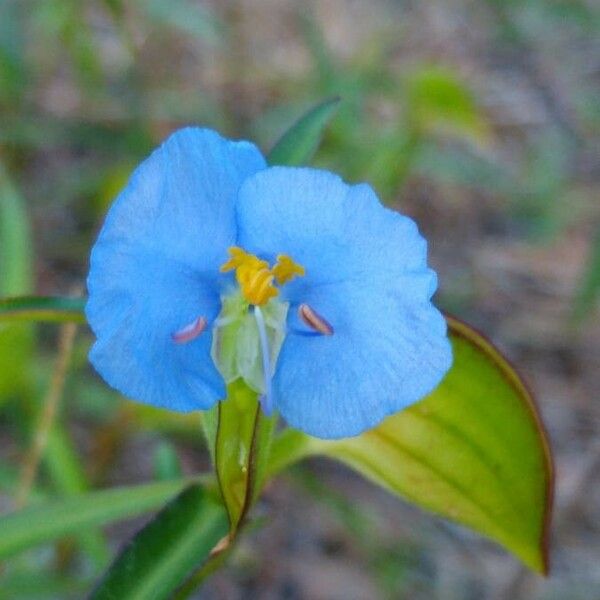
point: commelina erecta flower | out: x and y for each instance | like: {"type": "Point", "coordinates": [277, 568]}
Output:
{"type": "Point", "coordinates": [212, 266]}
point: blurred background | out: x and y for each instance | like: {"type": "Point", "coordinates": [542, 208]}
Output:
{"type": "Point", "coordinates": [478, 118]}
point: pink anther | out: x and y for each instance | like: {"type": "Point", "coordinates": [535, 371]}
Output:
{"type": "Point", "coordinates": [314, 320]}
{"type": "Point", "coordinates": [190, 332]}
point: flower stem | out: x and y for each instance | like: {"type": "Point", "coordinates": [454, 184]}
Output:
{"type": "Point", "coordinates": [46, 419]}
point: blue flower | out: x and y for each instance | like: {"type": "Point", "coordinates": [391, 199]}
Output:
{"type": "Point", "coordinates": [212, 266]}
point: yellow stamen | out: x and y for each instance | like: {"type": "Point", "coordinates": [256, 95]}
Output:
{"type": "Point", "coordinates": [285, 269]}
{"type": "Point", "coordinates": [256, 283]}
{"type": "Point", "coordinates": [240, 258]}
{"type": "Point", "coordinates": [254, 276]}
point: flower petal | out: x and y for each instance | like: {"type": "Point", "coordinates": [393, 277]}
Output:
{"type": "Point", "coordinates": [155, 269]}
{"type": "Point", "coordinates": [366, 273]}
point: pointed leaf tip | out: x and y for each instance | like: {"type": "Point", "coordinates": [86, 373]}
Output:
{"type": "Point", "coordinates": [297, 145]}
{"type": "Point", "coordinates": [474, 451]}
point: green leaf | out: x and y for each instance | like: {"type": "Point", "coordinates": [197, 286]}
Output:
{"type": "Point", "coordinates": [14, 68]}
{"type": "Point", "coordinates": [299, 143]}
{"type": "Point", "coordinates": [63, 463]}
{"type": "Point", "coordinates": [473, 451]}
{"type": "Point", "coordinates": [16, 260]}
{"type": "Point", "coordinates": [16, 277]}
{"type": "Point", "coordinates": [439, 102]}
{"type": "Point", "coordinates": [589, 290]}
{"type": "Point", "coordinates": [52, 520]}
{"type": "Point", "coordinates": [167, 465]}
{"type": "Point", "coordinates": [42, 308]}
{"type": "Point", "coordinates": [34, 584]}
{"type": "Point", "coordinates": [242, 443]}
{"type": "Point", "coordinates": [158, 559]}
{"type": "Point", "coordinates": [16, 349]}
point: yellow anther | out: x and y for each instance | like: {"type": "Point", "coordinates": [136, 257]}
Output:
{"type": "Point", "coordinates": [285, 269]}
{"type": "Point", "coordinates": [254, 276]}
{"type": "Point", "coordinates": [240, 258]}
{"type": "Point", "coordinates": [258, 287]}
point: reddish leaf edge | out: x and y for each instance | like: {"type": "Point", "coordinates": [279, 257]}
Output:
{"type": "Point", "coordinates": [512, 375]}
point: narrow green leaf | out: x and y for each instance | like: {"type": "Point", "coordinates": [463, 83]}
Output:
{"type": "Point", "coordinates": [16, 350]}
{"type": "Point", "coordinates": [34, 584]}
{"type": "Point", "coordinates": [473, 451]}
{"type": "Point", "coordinates": [16, 277]}
{"type": "Point", "coordinates": [299, 143]}
{"type": "Point", "coordinates": [16, 261]}
{"type": "Point", "coordinates": [49, 521]}
{"type": "Point", "coordinates": [242, 444]}
{"type": "Point", "coordinates": [589, 290]}
{"type": "Point", "coordinates": [63, 463]}
{"type": "Point", "coordinates": [167, 465]}
{"type": "Point", "coordinates": [159, 558]}
{"type": "Point", "coordinates": [42, 308]}
{"type": "Point", "coordinates": [14, 68]}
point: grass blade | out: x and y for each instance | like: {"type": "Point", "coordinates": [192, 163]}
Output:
{"type": "Point", "coordinates": [52, 520]}
{"type": "Point", "coordinates": [299, 143]}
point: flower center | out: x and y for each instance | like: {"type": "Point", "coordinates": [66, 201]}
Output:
{"type": "Point", "coordinates": [255, 277]}
{"type": "Point", "coordinates": [251, 326]}
{"type": "Point", "coordinates": [250, 329]}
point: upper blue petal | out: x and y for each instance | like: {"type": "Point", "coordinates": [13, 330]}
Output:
{"type": "Point", "coordinates": [367, 274]}
{"type": "Point", "coordinates": [155, 269]}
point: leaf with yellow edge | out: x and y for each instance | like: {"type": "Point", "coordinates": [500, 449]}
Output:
{"type": "Point", "coordinates": [473, 451]}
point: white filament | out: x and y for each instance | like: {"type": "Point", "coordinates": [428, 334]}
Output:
{"type": "Point", "coordinates": [266, 399]}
